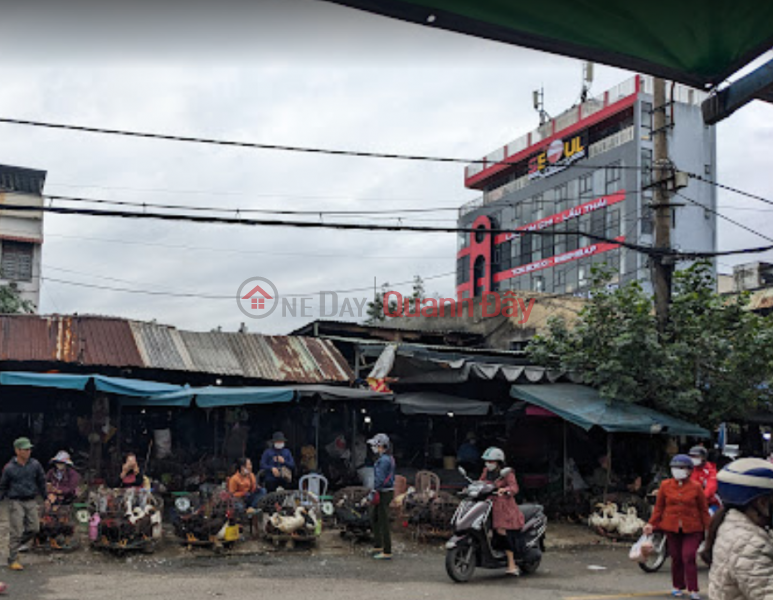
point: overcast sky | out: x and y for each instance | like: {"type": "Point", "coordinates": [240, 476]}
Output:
{"type": "Point", "coordinates": [308, 74]}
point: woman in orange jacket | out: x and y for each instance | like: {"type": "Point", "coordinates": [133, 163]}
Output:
{"type": "Point", "coordinates": [682, 512]}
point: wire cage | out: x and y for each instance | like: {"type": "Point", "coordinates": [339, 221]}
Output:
{"type": "Point", "coordinates": [352, 514]}
{"type": "Point", "coordinates": [58, 527]}
{"type": "Point", "coordinates": [290, 516]}
{"type": "Point", "coordinates": [125, 519]}
{"type": "Point", "coordinates": [429, 514]}
{"type": "Point", "coordinates": [209, 519]}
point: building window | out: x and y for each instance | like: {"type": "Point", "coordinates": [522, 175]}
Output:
{"type": "Point", "coordinates": [539, 283]}
{"type": "Point", "coordinates": [505, 256]}
{"type": "Point", "coordinates": [562, 197]}
{"type": "Point", "coordinates": [536, 248]}
{"type": "Point", "coordinates": [646, 166]}
{"type": "Point", "coordinates": [16, 262]}
{"type": "Point", "coordinates": [586, 187]}
{"type": "Point", "coordinates": [525, 249]}
{"type": "Point", "coordinates": [646, 118]}
{"type": "Point", "coordinates": [516, 253]}
{"type": "Point", "coordinates": [613, 178]}
{"type": "Point", "coordinates": [518, 212]}
{"type": "Point", "coordinates": [548, 240]}
{"type": "Point", "coordinates": [647, 214]}
{"type": "Point", "coordinates": [613, 221]}
{"type": "Point", "coordinates": [539, 207]}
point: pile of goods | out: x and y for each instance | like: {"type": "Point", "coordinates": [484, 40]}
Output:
{"type": "Point", "coordinates": [291, 517]}
{"type": "Point", "coordinates": [608, 521]}
{"type": "Point", "coordinates": [203, 519]}
{"type": "Point", "coordinates": [429, 513]}
{"type": "Point", "coordinates": [124, 520]}
{"type": "Point", "coordinates": [352, 516]}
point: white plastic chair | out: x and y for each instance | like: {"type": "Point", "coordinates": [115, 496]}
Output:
{"type": "Point", "coordinates": [313, 483]}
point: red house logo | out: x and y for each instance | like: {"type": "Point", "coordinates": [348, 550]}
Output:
{"type": "Point", "coordinates": [257, 297]}
{"type": "Point", "coordinates": [257, 303]}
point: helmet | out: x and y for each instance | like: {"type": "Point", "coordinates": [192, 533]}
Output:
{"type": "Point", "coordinates": [699, 451]}
{"type": "Point", "coordinates": [744, 480]}
{"type": "Point", "coordinates": [682, 461]}
{"type": "Point", "coordinates": [492, 454]}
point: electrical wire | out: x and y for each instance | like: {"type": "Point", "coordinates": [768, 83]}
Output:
{"type": "Point", "coordinates": [275, 147]}
{"type": "Point", "coordinates": [726, 218]}
{"type": "Point", "coordinates": [730, 188]}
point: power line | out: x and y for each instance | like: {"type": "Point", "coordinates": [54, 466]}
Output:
{"type": "Point", "coordinates": [726, 218]}
{"type": "Point", "coordinates": [276, 147]}
{"type": "Point", "coordinates": [367, 227]}
{"type": "Point", "coordinates": [730, 188]}
{"type": "Point", "coordinates": [242, 250]}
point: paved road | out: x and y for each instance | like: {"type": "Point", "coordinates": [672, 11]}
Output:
{"type": "Point", "coordinates": [414, 576]}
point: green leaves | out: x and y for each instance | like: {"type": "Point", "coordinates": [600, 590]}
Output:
{"type": "Point", "coordinates": [711, 365]}
{"type": "Point", "coordinates": [11, 301]}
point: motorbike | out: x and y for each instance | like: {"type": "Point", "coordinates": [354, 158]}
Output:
{"type": "Point", "coordinates": [476, 544]}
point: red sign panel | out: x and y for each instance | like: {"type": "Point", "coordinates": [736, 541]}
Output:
{"type": "Point", "coordinates": [565, 215]}
{"type": "Point", "coordinates": [559, 259]}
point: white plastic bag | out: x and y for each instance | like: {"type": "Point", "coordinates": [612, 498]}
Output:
{"type": "Point", "coordinates": [636, 554]}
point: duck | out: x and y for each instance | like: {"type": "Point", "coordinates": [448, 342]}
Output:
{"type": "Point", "coordinates": [630, 523]}
{"type": "Point", "coordinates": [598, 518]}
{"type": "Point", "coordinates": [289, 524]}
{"type": "Point", "coordinates": [613, 517]}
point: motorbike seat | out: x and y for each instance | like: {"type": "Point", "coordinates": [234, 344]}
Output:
{"type": "Point", "coordinates": [530, 510]}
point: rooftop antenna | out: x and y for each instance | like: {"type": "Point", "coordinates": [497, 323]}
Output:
{"type": "Point", "coordinates": [538, 97]}
{"type": "Point", "coordinates": [587, 80]}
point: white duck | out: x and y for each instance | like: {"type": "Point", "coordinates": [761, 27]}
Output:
{"type": "Point", "coordinates": [630, 523]}
{"type": "Point", "coordinates": [287, 524]}
{"type": "Point", "coordinates": [613, 517]}
{"type": "Point", "coordinates": [598, 518]}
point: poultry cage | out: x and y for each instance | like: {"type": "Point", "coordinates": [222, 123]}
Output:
{"type": "Point", "coordinates": [352, 515]}
{"type": "Point", "coordinates": [211, 520]}
{"type": "Point", "coordinates": [619, 522]}
{"type": "Point", "coordinates": [125, 520]}
{"type": "Point", "coordinates": [429, 514]}
{"type": "Point", "coordinates": [290, 517]}
{"type": "Point", "coordinates": [58, 528]}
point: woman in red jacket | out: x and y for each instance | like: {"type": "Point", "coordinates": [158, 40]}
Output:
{"type": "Point", "coordinates": [682, 512]}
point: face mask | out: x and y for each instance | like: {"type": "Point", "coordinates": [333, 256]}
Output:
{"type": "Point", "coordinates": [279, 446]}
{"type": "Point", "coordinates": [61, 466]}
{"type": "Point", "coordinates": [374, 449]}
{"type": "Point", "coordinates": [680, 474]}
{"type": "Point", "coordinates": [696, 461]}
{"type": "Point", "coordinates": [491, 466]}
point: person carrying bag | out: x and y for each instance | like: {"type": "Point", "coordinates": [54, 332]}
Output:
{"type": "Point", "coordinates": [381, 496]}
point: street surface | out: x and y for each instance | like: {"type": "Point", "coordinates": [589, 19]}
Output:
{"type": "Point", "coordinates": [565, 575]}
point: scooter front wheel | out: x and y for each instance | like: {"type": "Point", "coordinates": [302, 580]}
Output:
{"type": "Point", "coordinates": [460, 563]}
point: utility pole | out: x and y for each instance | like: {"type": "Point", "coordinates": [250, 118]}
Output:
{"type": "Point", "coordinates": [662, 267]}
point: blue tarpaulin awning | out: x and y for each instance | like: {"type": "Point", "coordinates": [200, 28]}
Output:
{"type": "Point", "coordinates": [584, 406]}
{"type": "Point", "coordinates": [208, 397]}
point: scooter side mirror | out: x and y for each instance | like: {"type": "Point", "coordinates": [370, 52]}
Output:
{"type": "Point", "coordinates": [462, 471]}
{"type": "Point", "coordinates": [506, 471]}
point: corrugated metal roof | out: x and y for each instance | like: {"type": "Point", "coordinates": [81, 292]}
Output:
{"type": "Point", "coordinates": [105, 341]}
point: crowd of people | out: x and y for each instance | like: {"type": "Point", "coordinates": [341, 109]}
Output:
{"type": "Point", "coordinates": [738, 539]}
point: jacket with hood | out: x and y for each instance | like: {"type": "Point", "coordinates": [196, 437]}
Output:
{"type": "Point", "coordinates": [742, 560]}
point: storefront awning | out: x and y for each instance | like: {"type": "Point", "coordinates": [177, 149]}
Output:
{"type": "Point", "coordinates": [335, 392]}
{"type": "Point", "coordinates": [211, 397]}
{"type": "Point", "coordinates": [435, 403]}
{"type": "Point", "coordinates": [584, 406]}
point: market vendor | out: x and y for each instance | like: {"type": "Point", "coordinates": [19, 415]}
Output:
{"type": "Point", "coordinates": [277, 464]}
{"type": "Point", "coordinates": [62, 479]}
{"type": "Point", "coordinates": [242, 484]}
{"type": "Point", "coordinates": [131, 473]}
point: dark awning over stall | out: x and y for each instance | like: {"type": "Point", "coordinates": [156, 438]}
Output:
{"type": "Point", "coordinates": [584, 406]}
{"type": "Point", "coordinates": [435, 403]}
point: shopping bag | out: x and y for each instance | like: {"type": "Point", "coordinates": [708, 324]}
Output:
{"type": "Point", "coordinates": [636, 553]}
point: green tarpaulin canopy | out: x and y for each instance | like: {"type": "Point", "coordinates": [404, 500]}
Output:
{"type": "Point", "coordinates": [583, 406]}
{"type": "Point", "coordinates": [696, 42]}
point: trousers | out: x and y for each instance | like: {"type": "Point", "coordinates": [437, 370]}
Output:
{"type": "Point", "coordinates": [683, 548]}
{"type": "Point", "coordinates": [24, 522]}
{"type": "Point", "coordinates": [379, 519]}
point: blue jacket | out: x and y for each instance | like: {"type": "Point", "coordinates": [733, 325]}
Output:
{"type": "Point", "coordinates": [384, 473]}
{"type": "Point", "coordinates": [268, 461]}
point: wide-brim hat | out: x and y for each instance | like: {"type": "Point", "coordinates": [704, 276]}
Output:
{"type": "Point", "coordinates": [63, 457]}
{"type": "Point", "coordinates": [380, 439]}
{"type": "Point", "coordinates": [278, 437]}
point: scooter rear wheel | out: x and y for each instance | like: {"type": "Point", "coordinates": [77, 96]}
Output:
{"type": "Point", "coordinates": [656, 560]}
{"type": "Point", "coordinates": [460, 563]}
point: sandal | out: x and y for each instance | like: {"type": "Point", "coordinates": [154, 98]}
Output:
{"type": "Point", "coordinates": [382, 556]}
{"type": "Point", "coordinates": [515, 572]}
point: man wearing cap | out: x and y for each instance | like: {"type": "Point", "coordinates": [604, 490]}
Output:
{"type": "Point", "coordinates": [22, 481]}
{"type": "Point", "coordinates": [277, 464]}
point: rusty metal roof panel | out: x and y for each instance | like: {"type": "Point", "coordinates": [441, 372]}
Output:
{"type": "Point", "coordinates": [330, 362]}
{"type": "Point", "coordinates": [211, 352]}
{"type": "Point", "coordinates": [256, 357]}
{"type": "Point", "coordinates": [105, 341]}
{"type": "Point", "coordinates": [27, 337]}
{"type": "Point", "coordinates": [161, 347]}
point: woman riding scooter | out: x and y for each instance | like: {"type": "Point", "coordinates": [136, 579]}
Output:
{"type": "Point", "coordinates": [508, 518]}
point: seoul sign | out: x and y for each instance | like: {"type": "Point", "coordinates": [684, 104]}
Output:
{"type": "Point", "coordinates": [557, 156]}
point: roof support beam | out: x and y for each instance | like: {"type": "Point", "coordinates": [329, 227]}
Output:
{"type": "Point", "coordinates": [756, 85]}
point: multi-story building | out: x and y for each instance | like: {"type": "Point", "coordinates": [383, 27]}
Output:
{"type": "Point", "coordinates": [21, 232]}
{"type": "Point", "coordinates": [586, 170]}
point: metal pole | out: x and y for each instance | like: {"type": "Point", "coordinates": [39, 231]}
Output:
{"type": "Point", "coordinates": [662, 268]}
{"type": "Point", "coordinates": [566, 460]}
{"type": "Point", "coordinates": [609, 465]}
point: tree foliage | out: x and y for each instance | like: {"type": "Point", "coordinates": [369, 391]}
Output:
{"type": "Point", "coordinates": [11, 301]}
{"type": "Point", "coordinates": [375, 308]}
{"type": "Point", "coordinates": [712, 364]}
